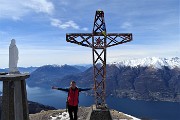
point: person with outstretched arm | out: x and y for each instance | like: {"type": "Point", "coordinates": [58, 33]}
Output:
{"type": "Point", "coordinates": [73, 98]}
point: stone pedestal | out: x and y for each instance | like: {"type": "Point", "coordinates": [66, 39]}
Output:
{"type": "Point", "coordinates": [99, 114]}
{"type": "Point", "coordinates": [14, 100]}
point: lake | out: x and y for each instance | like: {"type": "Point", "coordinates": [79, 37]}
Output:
{"type": "Point", "coordinates": [154, 110]}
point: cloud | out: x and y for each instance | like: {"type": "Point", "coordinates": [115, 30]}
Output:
{"type": "Point", "coordinates": [69, 24]}
{"type": "Point", "coordinates": [16, 9]}
{"type": "Point", "coordinates": [64, 2]}
{"type": "Point", "coordinates": [126, 25]}
{"type": "Point", "coordinates": [43, 6]}
{"type": "Point", "coordinates": [2, 33]}
{"type": "Point", "coordinates": [85, 29]}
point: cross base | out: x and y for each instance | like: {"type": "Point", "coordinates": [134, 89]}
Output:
{"type": "Point", "coordinates": [99, 114]}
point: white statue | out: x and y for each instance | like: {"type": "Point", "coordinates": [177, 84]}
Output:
{"type": "Point", "coordinates": [13, 57]}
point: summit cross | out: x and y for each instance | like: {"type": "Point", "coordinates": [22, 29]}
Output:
{"type": "Point", "coordinates": [99, 40]}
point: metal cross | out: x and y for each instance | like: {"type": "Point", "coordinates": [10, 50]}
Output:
{"type": "Point", "coordinates": [99, 40]}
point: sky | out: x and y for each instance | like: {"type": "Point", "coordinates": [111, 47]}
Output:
{"type": "Point", "coordinates": [40, 26]}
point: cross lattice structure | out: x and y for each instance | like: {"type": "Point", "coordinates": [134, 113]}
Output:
{"type": "Point", "coordinates": [99, 40]}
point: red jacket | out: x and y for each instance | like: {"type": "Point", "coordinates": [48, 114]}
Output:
{"type": "Point", "coordinates": [73, 97]}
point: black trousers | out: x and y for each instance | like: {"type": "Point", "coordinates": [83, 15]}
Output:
{"type": "Point", "coordinates": [71, 110]}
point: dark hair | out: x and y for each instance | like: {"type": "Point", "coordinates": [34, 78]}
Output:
{"type": "Point", "coordinates": [73, 82]}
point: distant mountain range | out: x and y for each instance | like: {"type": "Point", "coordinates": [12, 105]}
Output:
{"type": "Point", "coordinates": [21, 69]}
{"type": "Point", "coordinates": [49, 75]}
{"type": "Point", "coordinates": [147, 79]}
{"type": "Point", "coordinates": [154, 62]}
{"type": "Point", "coordinates": [31, 69]}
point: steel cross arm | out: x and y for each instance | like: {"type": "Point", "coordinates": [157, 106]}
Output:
{"type": "Point", "coordinates": [83, 39]}
{"type": "Point", "coordinates": [118, 38]}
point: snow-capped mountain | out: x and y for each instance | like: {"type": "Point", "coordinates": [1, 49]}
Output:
{"type": "Point", "coordinates": [154, 62]}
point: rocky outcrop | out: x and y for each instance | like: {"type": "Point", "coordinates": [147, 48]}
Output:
{"type": "Point", "coordinates": [82, 115]}
{"type": "Point", "coordinates": [34, 107]}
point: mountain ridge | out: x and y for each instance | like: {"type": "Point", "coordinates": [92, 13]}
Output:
{"type": "Point", "coordinates": [155, 62]}
{"type": "Point", "coordinates": [143, 83]}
